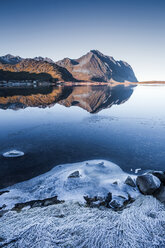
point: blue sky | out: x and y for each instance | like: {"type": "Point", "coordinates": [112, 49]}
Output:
{"type": "Point", "coordinates": [125, 29]}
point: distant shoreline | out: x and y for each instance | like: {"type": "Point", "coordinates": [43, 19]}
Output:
{"type": "Point", "coordinates": [69, 83]}
{"type": "Point", "coordinates": [110, 83]}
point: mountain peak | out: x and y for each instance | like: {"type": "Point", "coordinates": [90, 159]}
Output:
{"type": "Point", "coordinates": [95, 66]}
{"type": "Point", "coordinates": [46, 59]}
{"type": "Point", "coordinates": [97, 52]}
{"type": "Point", "coordinates": [10, 59]}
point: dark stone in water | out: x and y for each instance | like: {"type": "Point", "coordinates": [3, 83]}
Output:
{"type": "Point", "coordinates": [148, 184]}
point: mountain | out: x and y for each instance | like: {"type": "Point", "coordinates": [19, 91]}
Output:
{"type": "Point", "coordinates": [32, 69]}
{"type": "Point", "coordinates": [46, 59]}
{"type": "Point", "coordinates": [10, 59]}
{"type": "Point", "coordinates": [92, 98]}
{"type": "Point", "coordinates": [95, 66]}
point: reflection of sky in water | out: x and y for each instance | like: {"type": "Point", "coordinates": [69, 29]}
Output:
{"type": "Point", "coordinates": [130, 134]}
{"type": "Point", "coordinates": [145, 102]}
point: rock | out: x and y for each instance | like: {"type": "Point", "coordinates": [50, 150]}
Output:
{"type": "Point", "coordinates": [129, 181]}
{"type": "Point", "coordinates": [148, 184]}
{"type": "Point", "coordinates": [75, 174]}
{"type": "Point", "coordinates": [108, 198]}
{"type": "Point", "coordinates": [1, 239]}
{"type": "Point", "coordinates": [3, 192]}
{"type": "Point", "coordinates": [160, 175]}
{"type": "Point", "coordinates": [116, 183]}
{"type": "Point", "coordinates": [94, 201]}
{"type": "Point", "coordinates": [3, 206]}
{"type": "Point", "coordinates": [160, 194]}
{"type": "Point", "coordinates": [118, 202]}
{"type": "Point", "coordinates": [37, 203]}
{"type": "Point", "coordinates": [2, 212]}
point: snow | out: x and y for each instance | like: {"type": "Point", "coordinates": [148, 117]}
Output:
{"type": "Point", "coordinates": [96, 179]}
{"type": "Point", "coordinates": [137, 170]}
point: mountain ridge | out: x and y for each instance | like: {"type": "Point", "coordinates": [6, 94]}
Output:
{"type": "Point", "coordinates": [92, 67]}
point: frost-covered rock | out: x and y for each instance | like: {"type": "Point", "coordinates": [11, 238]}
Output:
{"type": "Point", "coordinates": [118, 202]}
{"type": "Point", "coordinates": [148, 184]}
{"type": "Point", "coordinates": [4, 191]}
{"type": "Point", "coordinates": [160, 194]}
{"type": "Point", "coordinates": [37, 203]}
{"type": "Point", "coordinates": [160, 175]}
{"type": "Point", "coordinates": [94, 201]}
{"type": "Point", "coordinates": [129, 181]}
{"type": "Point", "coordinates": [75, 174]}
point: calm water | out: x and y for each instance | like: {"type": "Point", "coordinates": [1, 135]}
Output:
{"type": "Point", "coordinates": [57, 125]}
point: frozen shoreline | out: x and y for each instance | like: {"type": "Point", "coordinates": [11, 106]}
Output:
{"type": "Point", "coordinates": [72, 223]}
{"type": "Point", "coordinates": [96, 178]}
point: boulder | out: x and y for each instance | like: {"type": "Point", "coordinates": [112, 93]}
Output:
{"type": "Point", "coordinates": [129, 181]}
{"type": "Point", "coordinates": [160, 194]}
{"type": "Point", "coordinates": [160, 175]}
{"type": "Point", "coordinates": [148, 184]}
{"type": "Point", "coordinates": [75, 174]}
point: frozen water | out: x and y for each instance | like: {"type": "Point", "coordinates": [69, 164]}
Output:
{"type": "Point", "coordinates": [13, 154]}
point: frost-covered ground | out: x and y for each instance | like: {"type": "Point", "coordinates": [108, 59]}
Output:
{"type": "Point", "coordinates": [71, 224]}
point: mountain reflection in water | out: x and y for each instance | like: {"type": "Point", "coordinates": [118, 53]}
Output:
{"type": "Point", "coordinates": [91, 98]}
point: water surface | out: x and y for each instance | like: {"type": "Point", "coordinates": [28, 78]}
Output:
{"type": "Point", "coordinates": [64, 124]}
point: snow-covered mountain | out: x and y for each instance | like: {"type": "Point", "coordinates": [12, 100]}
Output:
{"type": "Point", "coordinates": [10, 59]}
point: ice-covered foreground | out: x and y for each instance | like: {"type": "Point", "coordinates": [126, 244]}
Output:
{"type": "Point", "coordinates": [142, 225]}
{"type": "Point", "coordinates": [71, 224]}
{"type": "Point", "coordinates": [96, 179]}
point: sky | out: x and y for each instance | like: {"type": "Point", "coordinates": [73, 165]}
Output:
{"type": "Point", "coordinates": [129, 30]}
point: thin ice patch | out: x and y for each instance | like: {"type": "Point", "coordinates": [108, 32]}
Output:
{"type": "Point", "coordinates": [13, 154]}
